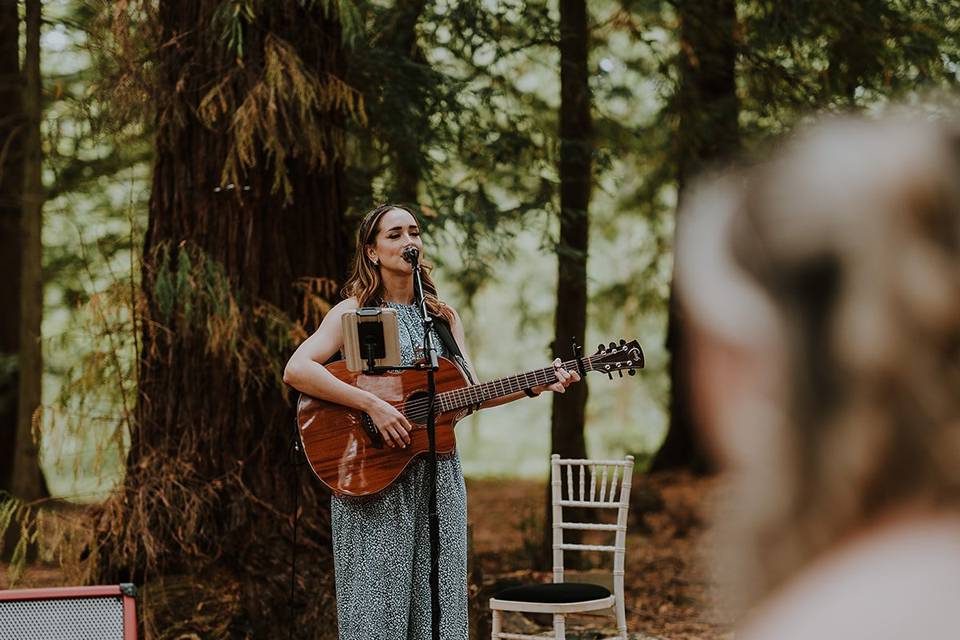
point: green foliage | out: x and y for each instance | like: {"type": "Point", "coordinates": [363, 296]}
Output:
{"type": "Point", "coordinates": [441, 101]}
{"type": "Point", "coordinates": [192, 293]}
{"type": "Point", "coordinates": [272, 105]}
{"type": "Point", "coordinates": [87, 424]}
{"type": "Point", "coordinates": [46, 531]}
{"type": "Point", "coordinates": [234, 16]}
{"type": "Point", "coordinates": [799, 57]}
{"type": "Point", "coordinates": [498, 192]}
{"type": "Point", "coordinates": [348, 15]}
{"type": "Point", "coordinates": [12, 518]}
{"type": "Point", "coordinates": [499, 158]}
{"type": "Point", "coordinates": [95, 172]}
{"type": "Point", "coordinates": [282, 114]}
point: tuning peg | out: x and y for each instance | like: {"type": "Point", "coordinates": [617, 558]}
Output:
{"type": "Point", "coordinates": [620, 372]}
{"type": "Point", "coordinates": [622, 342]}
{"type": "Point", "coordinates": [613, 346]}
{"type": "Point", "coordinates": [601, 348]}
{"type": "Point", "coordinates": [610, 375]}
{"type": "Point", "coordinates": [632, 372]}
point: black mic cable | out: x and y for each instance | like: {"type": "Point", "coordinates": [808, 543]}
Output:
{"type": "Point", "coordinates": [296, 460]}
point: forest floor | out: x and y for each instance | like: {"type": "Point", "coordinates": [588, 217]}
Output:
{"type": "Point", "coordinates": [669, 592]}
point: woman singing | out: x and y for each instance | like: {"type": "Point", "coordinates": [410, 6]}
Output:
{"type": "Point", "coordinates": [381, 542]}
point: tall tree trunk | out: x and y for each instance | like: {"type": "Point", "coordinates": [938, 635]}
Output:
{"type": "Point", "coordinates": [575, 183]}
{"type": "Point", "coordinates": [28, 482]}
{"type": "Point", "coordinates": [570, 321]}
{"type": "Point", "coordinates": [206, 497]}
{"type": "Point", "coordinates": [708, 133]}
{"type": "Point", "coordinates": [405, 141]}
{"type": "Point", "coordinates": [11, 185]}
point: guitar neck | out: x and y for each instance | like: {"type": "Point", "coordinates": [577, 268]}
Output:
{"type": "Point", "coordinates": [475, 394]}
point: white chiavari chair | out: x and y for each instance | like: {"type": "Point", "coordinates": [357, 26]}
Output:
{"type": "Point", "coordinates": [580, 485]}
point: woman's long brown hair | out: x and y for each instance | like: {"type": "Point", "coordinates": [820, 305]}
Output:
{"type": "Point", "coordinates": [365, 283]}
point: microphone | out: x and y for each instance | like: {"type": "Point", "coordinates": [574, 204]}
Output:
{"type": "Point", "coordinates": [411, 255]}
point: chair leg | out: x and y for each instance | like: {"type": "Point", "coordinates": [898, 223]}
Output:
{"type": "Point", "coordinates": [621, 619]}
{"type": "Point", "coordinates": [559, 627]}
{"type": "Point", "coordinates": [495, 626]}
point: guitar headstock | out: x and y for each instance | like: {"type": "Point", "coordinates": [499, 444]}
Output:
{"type": "Point", "coordinates": [614, 358]}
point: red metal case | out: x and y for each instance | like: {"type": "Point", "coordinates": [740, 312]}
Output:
{"type": "Point", "coordinates": [69, 613]}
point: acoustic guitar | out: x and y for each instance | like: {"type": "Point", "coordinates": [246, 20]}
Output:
{"type": "Point", "coordinates": [348, 454]}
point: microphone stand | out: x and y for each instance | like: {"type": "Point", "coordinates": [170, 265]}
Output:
{"type": "Point", "coordinates": [432, 365]}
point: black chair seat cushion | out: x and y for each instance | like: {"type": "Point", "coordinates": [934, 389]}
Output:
{"type": "Point", "coordinates": [554, 593]}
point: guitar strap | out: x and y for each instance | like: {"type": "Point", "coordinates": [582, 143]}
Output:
{"type": "Point", "coordinates": [450, 345]}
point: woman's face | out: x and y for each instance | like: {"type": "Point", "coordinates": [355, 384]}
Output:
{"type": "Point", "coordinates": [396, 231]}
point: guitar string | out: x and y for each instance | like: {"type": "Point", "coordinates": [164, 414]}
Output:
{"type": "Point", "coordinates": [473, 393]}
{"type": "Point", "coordinates": [418, 409]}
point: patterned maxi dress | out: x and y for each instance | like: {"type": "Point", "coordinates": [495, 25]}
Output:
{"type": "Point", "coordinates": [381, 543]}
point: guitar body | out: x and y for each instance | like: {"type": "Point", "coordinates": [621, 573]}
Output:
{"type": "Point", "coordinates": [343, 447]}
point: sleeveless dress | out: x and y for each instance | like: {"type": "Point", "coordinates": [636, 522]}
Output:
{"type": "Point", "coordinates": [381, 543]}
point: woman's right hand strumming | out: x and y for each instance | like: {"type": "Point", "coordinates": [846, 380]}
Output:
{"type": "Point", "coordinates": [391, 424]}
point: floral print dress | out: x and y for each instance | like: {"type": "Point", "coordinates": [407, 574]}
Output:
{"type": "Point", "coordinates": [381, 543]}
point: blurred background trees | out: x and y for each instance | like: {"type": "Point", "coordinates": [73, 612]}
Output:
{"type": "Point", "coordinates": [27, 481]}
{"type": "Point", "coordinates": [11, 185]}
{"type": "Point", "coordinates": [706, 108]}
{"type": "Point", "coordinates": [204, 164]}
{"type": "Point", "coordinates": [746, 71]}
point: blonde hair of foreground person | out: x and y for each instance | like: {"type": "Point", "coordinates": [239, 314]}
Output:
{"type": "Point", "coordinates": [821, 293]}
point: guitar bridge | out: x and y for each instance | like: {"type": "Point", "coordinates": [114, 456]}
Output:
{"type": "Point", "coordinates": [376, 440]}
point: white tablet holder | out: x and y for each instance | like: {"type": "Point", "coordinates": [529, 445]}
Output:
{"type": "Point", "coordinates": [371, 340]}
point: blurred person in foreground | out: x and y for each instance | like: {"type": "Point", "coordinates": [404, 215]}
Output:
{"type": "Point", "coordinates": [821, 294]}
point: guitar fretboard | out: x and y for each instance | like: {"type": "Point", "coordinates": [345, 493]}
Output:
{"type": "Point", "coordinates": [626, 357]}
{"type": "Point", "coordinates": [475, 394]}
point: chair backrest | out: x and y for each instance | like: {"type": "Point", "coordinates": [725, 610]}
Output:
{"type": "Point", "coordinates": [590, 484]}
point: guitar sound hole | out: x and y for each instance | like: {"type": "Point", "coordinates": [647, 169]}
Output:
{"type": "Point", "coordinates": [415, 409]}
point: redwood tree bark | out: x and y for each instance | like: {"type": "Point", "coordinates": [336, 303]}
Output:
{"type": "Point", "coordinates": [708, 132]}
{"type": "Point", "coordinates": [11, 184]}
{"type": "Point", "coordinates": [207, 493]}
{"type": "Point", "coordinates": [28, 482]}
